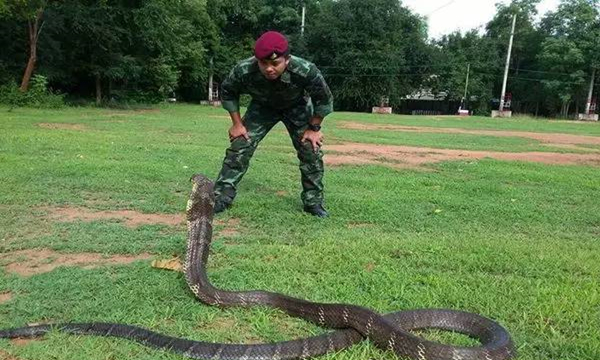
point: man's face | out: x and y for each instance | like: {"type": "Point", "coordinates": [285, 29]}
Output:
{"type": "Point", "coordinates": [272, 69]}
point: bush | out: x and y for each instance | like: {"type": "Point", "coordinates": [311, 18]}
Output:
{"type": "Point", "coordinates": [119, 98]}
{"type": "Point", "coordinates": [38, 95]}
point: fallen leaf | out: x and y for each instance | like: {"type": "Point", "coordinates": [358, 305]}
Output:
{"type": "Point", "coordinates": [169, 264]}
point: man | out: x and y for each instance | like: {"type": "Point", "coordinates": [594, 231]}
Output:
{"type": "Point", "coordinates": [283, 88]}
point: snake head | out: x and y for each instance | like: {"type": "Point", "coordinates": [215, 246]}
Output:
{"type": "Point", "coordinates": [201, 180]}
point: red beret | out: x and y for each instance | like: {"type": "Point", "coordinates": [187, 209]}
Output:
{"type": "Point", "coordinates": [271, 45]}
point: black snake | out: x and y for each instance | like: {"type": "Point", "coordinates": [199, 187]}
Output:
{"type": "Point", "coordinates": [390, 332]}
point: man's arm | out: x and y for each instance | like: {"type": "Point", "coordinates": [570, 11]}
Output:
{"type": "Point", "coordinates": [320, 95]}
{"type": "Point", "coordinates": [237, 129]}
{"type": "Point", "coordinates": [322, 100]}
{"type": "Point", "coordinates": [230, 91]}
{"type": "Point", "coordinates": [230, 96]}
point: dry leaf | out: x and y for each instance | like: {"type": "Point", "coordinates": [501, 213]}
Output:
{"type": "Point", "coordinates": [170, 264]}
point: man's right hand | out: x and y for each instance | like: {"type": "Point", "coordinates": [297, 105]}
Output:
{"type": "Point", "coordinates": [238, 130]}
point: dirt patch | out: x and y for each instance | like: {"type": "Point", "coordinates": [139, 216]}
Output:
{"type": "Point", "coordinates": [62, 126]}
{"type": "Point", "coordinates": [229, 232]}
{"type": "Point", "coordinates": [5, 297]}
{"type": "Point", "coordinates": [147, 111]}
{"type": "Point", "coordinates": [130, 218]}
{"type": "Point", "coordinates": [282, 193]}
{"type": "Point", "coordinates": [22, 342]}
{"type": "Point", "coordinates": [38, 261]}
{"type": "Point", "coordinates": [220, 324]}
{"type": "Point", "coordinates": [114, 121]}
{"type": "Point", "coordinates": [134, 219]}
{"type": "Point", "coordinates": [358, 159]}
{"type": "Point", "coordinates": [415, 157]}
{"type": "Point", "coordinates": [231, 227]}
{"type": "Point", "coordinates": [575, 148]}
{"type": "Point", "coordinates": [358, 225]}
{"type": "Point", "coordinates": [6, 356]}
{"type": "Point", "coordinates": [229, 222]}
{"type": "Point", "coordinates": [547, 138]}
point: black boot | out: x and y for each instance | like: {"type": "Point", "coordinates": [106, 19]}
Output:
{"type": "Point", "coordinates": [221, 205]}
{"type": "Point", "coordinates": [316, 210]}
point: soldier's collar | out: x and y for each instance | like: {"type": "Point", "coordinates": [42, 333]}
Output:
{"type": "Point", "coordinates": [286, 77]}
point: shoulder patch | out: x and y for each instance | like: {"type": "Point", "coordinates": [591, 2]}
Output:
{"type": "Point", "coordinates": [246, 66]}
{"type": "Point", "coordinates": [300, 66]}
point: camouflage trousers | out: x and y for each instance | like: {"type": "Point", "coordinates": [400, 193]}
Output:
{"type": "Point", "coordinates": [259, 120]}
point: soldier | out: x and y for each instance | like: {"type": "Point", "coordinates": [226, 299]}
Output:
{"type": "Point", "coordinates": [283, 88]}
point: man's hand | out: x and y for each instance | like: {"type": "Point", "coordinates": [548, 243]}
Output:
{"type": "Point", "coordinates": [314, 137]}
{"type": "Point", "coordinates": [238, 130]}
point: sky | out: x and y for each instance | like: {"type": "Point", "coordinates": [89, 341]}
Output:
{"type": "Point", "coordinates": [446, 16]}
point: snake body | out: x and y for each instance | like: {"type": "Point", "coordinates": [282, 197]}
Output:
{"type": "Point", "coordinates": [390, 332]}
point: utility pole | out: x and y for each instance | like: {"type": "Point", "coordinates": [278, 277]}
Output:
{"type": "Point", "coordinates": [510, 44]}
{"type": "Point", "coordinates": [467, 82]}
{"type": "Point", "coordinates": [463, 102]}
{"type": "Point", "coordinates": [210, 82]}
{"type": "Point", "coordinates": [303, 18]}
{"type": "Point", "coordinates": [589, 98]}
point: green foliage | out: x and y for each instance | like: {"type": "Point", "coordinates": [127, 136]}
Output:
{"type": "Point", "coordinates": [115, 50]}
{"type": "Point", "coordinates": [566, 60]}
{"type": "Point", "coordinates": [21, 9]}
{"type": "Point", "coordinates": [570, 51]}
{"type": "Point", "coordinates": [368, 49]}
{"type": "Point", "coordinates": [97, 48]}
{"type": "Point", "coordinates": [38, 95]}
{"type": "Point", "coordinates": [526, 90]}
{"type": "Point", "coordinates": [454, 53]}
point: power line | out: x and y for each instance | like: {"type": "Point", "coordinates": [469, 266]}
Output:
{"type": "Point", "coordinates": [542, 71]}
{"type": "Point", "coordinates": [442, 66]}
{"type": "Point", "coordinates": [366, 75]}
{"type": "Point", "coordinates": [441, 7]}
{"type": "Point", "coordinates": [553, 80]}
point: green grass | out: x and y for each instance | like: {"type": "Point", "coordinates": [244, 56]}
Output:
{"type": "Point", "coordinates": [480, 123]}
{"type": "Point", "coordinates": [517, 242]}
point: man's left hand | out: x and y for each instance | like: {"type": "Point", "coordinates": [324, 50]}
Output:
{"type": "Point", "coordinates": [314, 137]}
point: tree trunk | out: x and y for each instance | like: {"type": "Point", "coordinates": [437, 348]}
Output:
{"type": "Point", "coordinates": [34, 33]}
{"type": "Point", "coordinates": [98, 89]}
{"type": "Point", "coordinates": [565, 109]}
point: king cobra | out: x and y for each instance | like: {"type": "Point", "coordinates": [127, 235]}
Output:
{"type": "Point", "coordinates": [389, 332]}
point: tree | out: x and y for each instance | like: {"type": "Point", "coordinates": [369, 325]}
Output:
{"type": "Point", "coordinates": [128, 50]}
{"type": "Point", "coordinates": [177, 38]}
{"type": "Point", "coordinates": [570, 50]}
{"type": "Point", "coordinates": [526, 46]}
{"type": "Point", "coordinates": [454, 53]}
{"type": "Point", "coordinates": [367, 49]}
{"type": "Point", "coordinates": [30, 11]}
{"type": "Point", "coordinates": [564, 61]}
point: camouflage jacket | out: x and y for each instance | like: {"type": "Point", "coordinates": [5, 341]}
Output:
{"type": "Point", "coordinates": [300, 79]}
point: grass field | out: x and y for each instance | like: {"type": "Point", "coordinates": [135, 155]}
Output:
{"type": "Point", "coordinates": [516, 241]}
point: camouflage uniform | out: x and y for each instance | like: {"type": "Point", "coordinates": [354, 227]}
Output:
{"type": "Point", "coordinates": [299, 94]}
